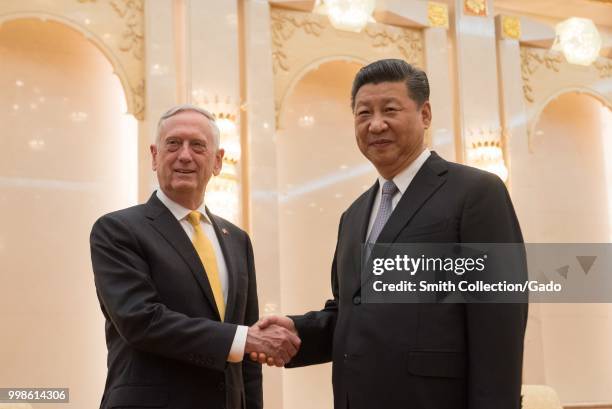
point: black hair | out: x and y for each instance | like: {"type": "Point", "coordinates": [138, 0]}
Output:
{"type": "Point", "coordinates": [393, 70]}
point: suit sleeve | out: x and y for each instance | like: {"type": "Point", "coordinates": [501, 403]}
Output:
{"type": "Point", "coordinates": [316, 328]}
{"type": "Point", "coordinates": [495, 331]}
{"type": "Point", "coordinates": [252, 370]}
{"type": "Point", "coordinates": [131, 302]}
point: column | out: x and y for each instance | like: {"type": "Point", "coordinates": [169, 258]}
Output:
{"type": "Point", "coordinates": [477, 82]}
{"type": "Point", "coordinates": [262, 172]}
{"type": "Point", "coordinates": [160, 83]}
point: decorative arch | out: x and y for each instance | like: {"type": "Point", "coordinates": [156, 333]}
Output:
{"type": "Point", "coordinates": [303, 41]}
{"type": "Point", "coordinates": [607, 102]}
{"type": "Point", "coordinates": [546, 76]}
{"type": "Point", "coordinates": [304, 71]}
{"type": "Point", "coordinates": [101, 25]}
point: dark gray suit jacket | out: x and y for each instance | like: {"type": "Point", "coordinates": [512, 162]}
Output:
{"type": "Point", "coordinates": [421, 356]}
{"type": "Point", "coordinates": [166, 345]}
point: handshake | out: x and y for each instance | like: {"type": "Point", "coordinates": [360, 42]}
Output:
{"type": "Point", "coordinates": [272, 340]}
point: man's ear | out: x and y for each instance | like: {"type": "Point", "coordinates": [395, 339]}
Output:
{"type": "Point", "coordinates": [426, 114]}
{"type": "Point", "coordinates": [154, 157]}
{"type": "Point", "coordinates": [218, 161]}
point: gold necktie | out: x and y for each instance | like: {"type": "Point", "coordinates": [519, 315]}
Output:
{"type": "Point", "coordinates": [206, 252]}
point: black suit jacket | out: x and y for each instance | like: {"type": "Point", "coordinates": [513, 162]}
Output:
{"type": "Point", "coordinates": [421, 356]}
{"type": "Point", "coordinates": [166, 345]}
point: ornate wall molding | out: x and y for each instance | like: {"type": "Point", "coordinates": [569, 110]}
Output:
{"type": "Point", "coordinates": [408, 42]}
{"type": "Point", "coordinates": [540, 87]}
{"type": "Point", "coordinates": [132, 13]}
{"type": "Point", "coordinates": [531, 61]}
{"type": "Point", "coordinates": [604, 67]}
{"type": "Point", "coordinates": [116, 27]}
{"type": "Point", "coordinates": [303, 41]}
{"type": "Point", "coordinates": [284, 25]}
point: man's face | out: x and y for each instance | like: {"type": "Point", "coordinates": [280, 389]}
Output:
{"type": "Point", "coordinates": [186, 157]}
{"type": "Point", "coordinates": [389, 126]}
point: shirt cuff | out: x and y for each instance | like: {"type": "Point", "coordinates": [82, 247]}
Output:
{"type": "Point", "coordinates": [237, 350]}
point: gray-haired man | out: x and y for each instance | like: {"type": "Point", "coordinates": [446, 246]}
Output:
{"type": "Point", "coordinates": [177, 286]}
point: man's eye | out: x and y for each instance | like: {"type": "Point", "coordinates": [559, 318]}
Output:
{"type": "Point", "coordinates": [172, 144]}
{"type": "Point", "coordinates": [198, 147]}
{"type": "Point", "coordinates": [361, 113]}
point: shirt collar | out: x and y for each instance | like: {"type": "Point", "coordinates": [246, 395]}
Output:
{"type": "Point", "coordinates": [178, 211]}
{"type": "Point", "coordinates": [403, 179]}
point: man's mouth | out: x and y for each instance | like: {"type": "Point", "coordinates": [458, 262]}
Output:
{"type": "Point", "coordinates": [185, 171]}
{"type": "Point", "coordinates": [380, 143]}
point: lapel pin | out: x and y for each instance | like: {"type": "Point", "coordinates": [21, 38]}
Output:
{"type": "Point", "coordinates": [224, 230]}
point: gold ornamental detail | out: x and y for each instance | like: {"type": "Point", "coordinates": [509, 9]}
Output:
{"type": "Point", "coordinates": [511, 27]}
{"type": "Point", "coordinates": [408, 42]}
{"type": "Point", "coordinates": [531, 61]}
{"type": "Point", "coordinates": [284, 25]}
{"type": "Point", "coordinates": [603, 67]}
{"type": "Point", "coordinates": [139, 100]}
{"type": "Point", "coordinates": [437, 14]}
{"type": "Point", "coordinates": [132, 37]}
{"type": "Point", "coordinates": [475, 7]}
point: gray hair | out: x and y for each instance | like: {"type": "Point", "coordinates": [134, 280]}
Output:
{"type": "Point", "coordinates": [189, 107]}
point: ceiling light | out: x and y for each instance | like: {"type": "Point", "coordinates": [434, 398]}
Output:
{"type": "Point", "coordinates": [348, 15]}
{"type": "Point", "coordinates": [578, 40]}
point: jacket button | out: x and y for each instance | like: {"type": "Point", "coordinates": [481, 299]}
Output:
{"type": "Point", "coordinates": [346, 357]}
{"type": "Point", "coordinates": [357, 300]}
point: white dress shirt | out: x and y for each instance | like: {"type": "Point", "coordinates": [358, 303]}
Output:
{"type": "Point", "coordinates": [180, 213]}
{"type": "Point", "coordinates": [402, 180]}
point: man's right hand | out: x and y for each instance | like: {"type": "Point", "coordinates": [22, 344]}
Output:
{"type": "Point", "coordinates": [273, 342]}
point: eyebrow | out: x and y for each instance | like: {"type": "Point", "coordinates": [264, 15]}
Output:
{"type": "Point", "coordinates": [384, 100]}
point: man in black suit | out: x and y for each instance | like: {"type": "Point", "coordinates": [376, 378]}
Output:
{"type": "Point", "coordinates": [417, 356]}
{"type": "Point", "coordinates": [177, 287]}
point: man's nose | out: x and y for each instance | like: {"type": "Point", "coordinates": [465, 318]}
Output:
{"type": "Point", "coordinates": [378, 124]}
{"type": "Point", "coordinates": [185, 152]}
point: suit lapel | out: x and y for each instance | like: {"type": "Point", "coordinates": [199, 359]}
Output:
{"type": "Point", "coordinates": [166, 224]}
{"type": "Point", "coordinates": [229, 254]}
{"type": "Point", "coordinates": [356, 230]}
{"type": "Point", "coordinates": [425, 183]}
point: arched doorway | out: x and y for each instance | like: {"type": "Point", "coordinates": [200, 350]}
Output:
{"type": "Point", "coordinates": [564, 195]}
{"type": "Point", "coordinates": [69, 155]}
